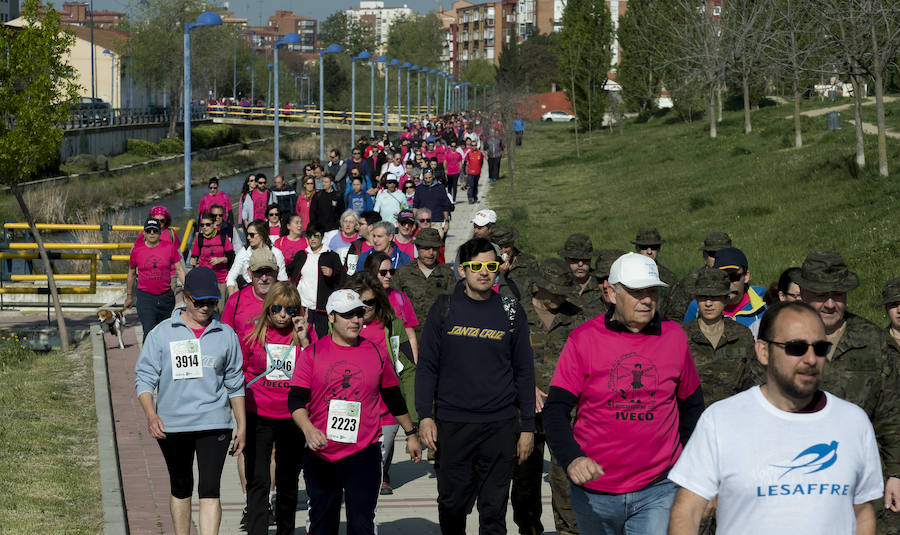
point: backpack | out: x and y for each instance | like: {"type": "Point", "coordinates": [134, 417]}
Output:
{"type": "Point", "coordinates": [509, 305]}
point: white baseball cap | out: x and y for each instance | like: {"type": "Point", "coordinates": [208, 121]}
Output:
{"type": "Point", "coordinates": [635, 271]}
{"type": "Point", "coordinates": [343, 301]}
{"type": "Point", "coordinates": [483, 217]}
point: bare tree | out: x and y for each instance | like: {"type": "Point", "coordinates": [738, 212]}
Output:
{"type": "Point", "coordinates": [885, 34]}
{"type": "Point", "coordinates": [747, 28]}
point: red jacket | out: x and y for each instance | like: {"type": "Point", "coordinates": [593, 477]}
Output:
{"type": "Point", "coordinates": [474, 161]}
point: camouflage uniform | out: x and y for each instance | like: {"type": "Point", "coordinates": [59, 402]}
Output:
{"type": "Point", "coordinates": [680, 295]}
{"type": "Point", "coordinates": [523, 265]}
{"type": "Point", "coordinates": [421, 290]}
{"type": "Point", "coordinates": [587, 296]}
{"type": "Point", "coordinates": [649, 237]}
{"type": "Point", "coordinates": [546, 343]}
{"type": "Point", "coordinates": [731, 366]}
{"type": "Point", "coordinates": [861, 368]}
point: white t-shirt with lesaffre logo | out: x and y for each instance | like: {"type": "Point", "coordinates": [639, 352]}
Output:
{"type": "Point", "coordinates": [781, 472]}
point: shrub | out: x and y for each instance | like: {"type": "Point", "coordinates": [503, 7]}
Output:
{"type": "Point", "coordinates": [212, 135]}
{"type": "Point", "coordinates": [142, 147]}
{"type": "Point", "coordinates": [171, 146]}
{"type": "Point", "coordinates": [81, 163]}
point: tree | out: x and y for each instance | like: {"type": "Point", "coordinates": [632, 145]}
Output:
{"type": "Point", "coordinates": [417, 39]}
{"type": "Point", "coordinates": [37, 87]}
{"type": "Point", "coordinates": [585, 57]}
{"type": "Point", "coordinates": [884, 31]}
{"type": "Point", "coordinates": [539, 60]}
{"type": "Point", "coordinates": [479, 71]}
{"type": "Point", "coordinates": [352, 35]}
{"type": "Point", "coordinates": [509, 93]}
{"type": "Point", "coordinates": [747, 28]}
{"type": "Point", "coordinates": [640, 67]}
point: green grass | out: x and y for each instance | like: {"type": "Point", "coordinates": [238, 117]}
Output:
{"type": "Point", "coordinates": [126, 158]}
{"type": "Point", "coordinates": [891, 115]}
{"type": "Point", "coordinates": [48, 443]}
{"type": "Point", "coordinates": [778, 203]}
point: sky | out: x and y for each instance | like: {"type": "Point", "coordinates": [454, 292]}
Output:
{"type": "Point", "coordinates": [259, 10]}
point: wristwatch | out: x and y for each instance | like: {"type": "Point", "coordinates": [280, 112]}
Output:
{"type": "Point", "coordinates": [413, 431]}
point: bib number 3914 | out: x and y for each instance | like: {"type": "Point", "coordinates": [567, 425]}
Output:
{"type": "Point", "coordinates": [343, 421]}
{"type": "Point", "coordinates": [186, 360]}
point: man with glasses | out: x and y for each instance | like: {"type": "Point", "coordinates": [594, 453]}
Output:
{"type": "Point", "coordinates": [783, 447]}
{"type": "Point", "coordinates": [285, 197]}
{"type": "Point", "coordinates": [745, 303]}
{"type": "Point", "coordinates": [151, 263]}
{"type": "Point", "coordinates": [337, 167]}
{"type": "Point", "coordinates": [648, 242]}
{"type": "Point", "coordinates": [426, 278]}
{"type": "Point", "coordinates": [357, 160]}
{"type": "Point", "coordinates": [432, 194]}
{"type": "Point", "coordinates": [859, 368]}
{"type": "Point", "coordinates": [217, 212]}
{"type": "Point", "coordinates": [215, 196]}
{"type": "Point", "coordinates": [261, 198]}
{"type": "Point", "coordinates": [638, 397]}
{"type": "Point", "coordinates": [475, 393]}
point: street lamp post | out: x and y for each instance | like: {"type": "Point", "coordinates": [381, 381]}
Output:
{"type": "Point", "coordinates": [379, 59]}
{"type": "Point", "coordinates": [408, 121]}
{"type": "Point", "coordinates": [332, 48]}
{"type": "Point", "coordinates": [362, 55]}
{"type": "Point", "coordinates": [289, 39]}
{"type": "Point", "coordinates": [439, 94]}
{"type": "Point", "coordinates": [207, 18]}
{"type": "Point", "coordinates": [405, 65]}
{"type": "Point", "coordinates": [268, 88]}
{"type": "Point", "coordinates": [418, 89]}
{"type": "Point", "coordinates": [387, 70]}
{"type": "Point", "coordinates": [112, 76]}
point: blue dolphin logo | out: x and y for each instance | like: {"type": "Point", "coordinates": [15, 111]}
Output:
{"type": "Point", "coordinates": [825, 456]}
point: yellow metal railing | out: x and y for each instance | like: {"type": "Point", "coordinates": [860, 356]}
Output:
{"type": "Point", "coordinates": [310, 113]}
{"type": "Point", "coordinates": [92, 276]}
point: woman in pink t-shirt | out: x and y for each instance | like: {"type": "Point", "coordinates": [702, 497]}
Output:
{"type": "Point", "coordinates": [337, 395]}
{"type": "Point", "coordinates": [273, 218]}
{"type": "Point", "coordinates": [271, 351]}
{"type": "Point", "coordinates": [215, 251]}
{"type": "Point", "coordinates": [305, 198]}
{"type": "Point", "coordinates": [385, 330]}
{"type": "Point", "coordinates": [293, 241]}
{"type": "Point", "coordinates": [152, 263]}
{"type": "Point", "coordinates": [452, 164]}
{"type": "Point", "coordinates": [215, 196]}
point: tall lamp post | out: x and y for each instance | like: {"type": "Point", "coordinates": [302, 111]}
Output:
{"type": "Point", "coordinates": [387, 70]}
{"type": "Point", "coordinates": [464, 95]}
{"type": "Point", "coordinates": [362, 55]}
{"type": "Point", "coordinates": [332, 48]}
{"type": "Point", "coordinates": [289, 39]}
{"type": "Point", "coordinates": [405, 65]}
{"type": "Point", "coordinates": [379, 59]}
{"type": "Point", "coordinates": [112, 76]}
{"type": "Point", "coordinates": [268, 88]}
{"type": "Point", "coordinates": [418, 89]}
{"type": "Point", "coordinates": [408, 69]}
{"type": "Point", "coordinates": [439, 93]}
{"type": "Point", "coordinates": [207, 18]}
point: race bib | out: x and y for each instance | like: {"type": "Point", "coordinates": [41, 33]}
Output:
{"type": "Point", "coordinates": [343, 421]}
{"type": "Point", "coordinates": [395, 350]}
{"type": "Point", "coordinates": [280, 361]}
{"type": "Point", "coordinates": [186, 361]}
{"type": "Point", "coordinates": [351, 263]}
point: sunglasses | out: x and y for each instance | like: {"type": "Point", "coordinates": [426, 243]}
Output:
{"type": "Point", "coordinates": [264, 273]}
{"type": "Point", "coordinates": [475, 267]}
{"type": "Point", "coordinates": [734, 275]}
{"type": "Point", "coordinates": [369, 302]}
{"type": "Point", "coordinates": [316, 235]}
{"type": "Point", "coordinates": [151, 231]}
{"type": "Point", "coordinates": [424, 220]}
{"type": "Point", "coordinates": [274, 214]}
{"type": "Point", "coordinates": [217, 216]}
{"type": "Point", "coordinates": [384, 272]}
{"type": "Point", "coordinates": [203, 303]}
{"type": "Point", "coordinates": [252, 234]}
{"type": "Point", "coordinates": [289, 310]}
{"type": "Point", "coordinates": [205, 225]}
{"type": "Point", "coordinates": [355, 313]}
{"type": "Point", "coordinates": [798, 348]}
{"type": "Point", "coordinates": [214, 187]}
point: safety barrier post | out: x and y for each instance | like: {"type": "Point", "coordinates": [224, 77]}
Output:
{"type": "Point", "coordinates": [104, 229]}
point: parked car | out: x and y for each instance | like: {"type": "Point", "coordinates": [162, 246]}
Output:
{"type": "Point", "coordinates": [558, 116]}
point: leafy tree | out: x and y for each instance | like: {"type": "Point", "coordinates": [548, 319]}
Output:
{"type": "Point", "coordinates": [416, 39]}
{"type": "Point", "coordinates": [640, 69]}
{"type": "Point", "coordinates": [539, 59]}
{"type": "Point", "coordinates": [353, 36]}
{"type": "Point", "coordinates": [479, 71]}
{"type": "Point", "coordinates": [585, 57]}
{"type": "Point", "coordinates": [37, 86]}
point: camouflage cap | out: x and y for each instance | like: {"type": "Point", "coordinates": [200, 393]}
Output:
{"type": "Point", "coordinates": [710, 282]}
{"type": "Point", "coordinates": [648, 236]}
{"type": "Point", "coordinates": [891, 292]}
{"type": "Point", "coordinates": [428, 237]}
{"type": "Point", "coordinates": [605, 259]}
{"type": "Point", "coordinates": [825, 271]}
{"type": "Point", "coordinates": [715, 241]}
{"type": "Point", "coordinates": [578, 246]}
{"type": "Point", "coordinates": [554, 276]}
{"type": "Point", "coordinates": [504, 235]}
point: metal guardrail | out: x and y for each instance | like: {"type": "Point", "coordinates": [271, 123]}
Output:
{"type": "Point", "coordinates": [100, 117]}
{"type": "Point", "coordinates": [92, 276]}
{"type": "Point", "coordinates": [310, 114]}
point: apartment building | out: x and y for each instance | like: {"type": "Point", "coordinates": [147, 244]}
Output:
{"type": "Point", "coordinates": [282, 23]}
{"type": "Point", "coordinates": [375, 15]}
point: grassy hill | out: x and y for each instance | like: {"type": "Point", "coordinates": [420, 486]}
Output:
{"type": "Point", "coordinates": [777, 203]}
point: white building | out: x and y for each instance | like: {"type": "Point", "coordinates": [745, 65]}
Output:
{"type": "Point", "coordinates": [379, 18]}
{"type": "Point", "coordinates": [9, 10]}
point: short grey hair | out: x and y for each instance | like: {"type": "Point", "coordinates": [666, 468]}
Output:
{"type": "Point", "coordinates": [424, 210]}
{"type": "Point", "coordinates": [388, 227]}
{"type": "Point", "coordinates": [351, 214]}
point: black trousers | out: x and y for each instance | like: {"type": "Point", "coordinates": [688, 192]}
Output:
{"type": "Point", "coordinates": [178, 450]}
{"type": "Point", "coordinates": [475, 462]}
{"type": "Point", "coordinates": [526, 485]}
{"type": "Point", "coordinates": [452, 186]}
{"type": "Point", "coordinates": [153, 309]}
{"type": "Point", "coordinates": [289, 442]}
{"type": "Point", "coordinates": [356, 478]}
{"type": "Point", "coordinates": [494, 168]}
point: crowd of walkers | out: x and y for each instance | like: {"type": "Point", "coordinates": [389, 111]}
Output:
{"type": "Point", "coordinates": [318, 322]}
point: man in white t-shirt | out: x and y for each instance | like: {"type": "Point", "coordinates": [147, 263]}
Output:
{"type": "Point", "coordinates": [785, 457]}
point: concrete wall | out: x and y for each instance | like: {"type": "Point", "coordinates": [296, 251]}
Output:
{"type": "Point", "coordinates": [111, 140]}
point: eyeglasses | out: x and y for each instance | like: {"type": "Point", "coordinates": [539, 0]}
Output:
{"type": "Point", "coordinates": [160, 219]}
{"type": "Point", "coordinates": [384, 272]}
{"type": "Point", "coordinates": [650, 247]}
{"type": "Point", "coordinates": [425, 220]}
{"type": "Point", "coordinates": [274, 214]}
{"type": "Point", "coordinates": [316, 235]}
{"type": "Point", "coordinates": [214, 187]}
{"type": "Point", "coordinates": [205, 225]}
{"type": "Point", "coordinates": [264, 273]}
{"type": "Point", "coordinates": [203, 303]}
{"type": "Point", "coordinates": [475, 267]}
{"type": "Point", "coordinates": [260, 182]}
{"type": "Point", "coordinates": [734, 275]}
{"type": "Point", "coordinates": [289, 310]}
{"type": "Point", "coordinates": [355, 313]}
{"type": "Point", "coordinates": [369, 302]}
{"type": "Point", "coordinates": [217, 216]}
{"type": "Point", "coordinates": [252, 234]}
{"type": "Point", "coordinates": [798, 348]}
{"type": "Point", "coordinates": [151, 231]}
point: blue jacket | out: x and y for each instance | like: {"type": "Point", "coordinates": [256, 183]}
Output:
{"type": "Point", "coordinates": [749, 316]}
{"type": "Point", "coordinates": [433, 197]}
{"type": "Point", "coordinates": [359, 202]}
{"type": "Point", "coordinates": [398, 258]}
{"type": "Point", "coordinates": [192, 404]}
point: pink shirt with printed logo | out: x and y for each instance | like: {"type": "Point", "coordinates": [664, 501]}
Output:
{"type": "Point", "coordinates": [154, 266]}
{"type": "Point", "coordinates": [356, 373]}
{"type": "Point", "coordinates": [627, 385]}
{"type": "Point", "coordinates": [268, 397]}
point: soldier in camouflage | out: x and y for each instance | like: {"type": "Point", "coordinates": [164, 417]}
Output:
{"type": "Point", "coordinates": [722, 349]}
{"type": "Point", "coordinates": [680, 295]}
{"type": "Point", "coordinates": [551, 317]}
{"type": "Point", "coordinates": [860, 367]}
{"type": "Point", "coordinates": [518, 266]}
{"type": "Point", "coordinates": [648, 243]}
{"type": "Point", "coordinates": [585, 290]}
{"type": "Point", "coordinates": [424, 279]}
{"type": "Point", "coordinates": [890, 300]}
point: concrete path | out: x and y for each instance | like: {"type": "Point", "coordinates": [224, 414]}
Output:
{"type": "Point", "coordinates": [868, 128]}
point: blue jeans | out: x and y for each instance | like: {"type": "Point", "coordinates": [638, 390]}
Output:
{"type": "Point", "coordinates": [643, 512]}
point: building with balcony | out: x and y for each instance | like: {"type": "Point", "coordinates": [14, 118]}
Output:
{"type": "Point", "coordinates": [79, 14]}
{"type": "Point", "coordinates": [284, 22]}
{"type": "Point", "coordinates": [376, 16]}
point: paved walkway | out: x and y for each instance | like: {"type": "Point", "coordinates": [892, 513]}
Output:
{"type": "Point", "coordinates": [868, 128]}
{"type": "Point", "coordinates": [412, 509]}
